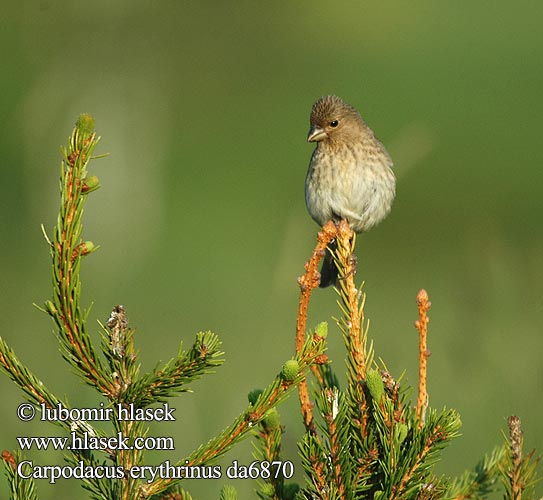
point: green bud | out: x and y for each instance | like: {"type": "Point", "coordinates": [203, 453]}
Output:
{"type": "Point", "coordinates": [85, 123]}
{"type": "Point", "coordinates": [290, 490]}
{"type": "Point", "coordinates": [322, 329]}
{"type": "Point", "coordinates": [267, 490]}
{"type": "Point", "coordinates": [90, 183]}
{"type": "Point", "coordinates": [253, 395]}
{"type": "Point", "coordinates": [455, 420]}
{"type": "Point", "coordinates": [375, 384]}
{"type": "Point", "coordinates": [271, 419]}
{"type": "Point", "coordinates": [290, 370]}
{"type": "Point", "coordinates": [88, 247]}
{"type": "Point", "coordinates": [50, 307]}
{"type": "Point", "coordinates": [401, 432]}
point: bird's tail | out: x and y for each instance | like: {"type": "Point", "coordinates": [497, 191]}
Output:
{"type": "Point", "coordinates": [329, 272]}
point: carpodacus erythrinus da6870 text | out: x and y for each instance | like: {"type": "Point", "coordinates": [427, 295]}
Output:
{"type": "Point", "coordinates": [349, 176]}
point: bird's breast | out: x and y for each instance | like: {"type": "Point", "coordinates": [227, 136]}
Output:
{"type": "Point", "coordinates": [352, 182]}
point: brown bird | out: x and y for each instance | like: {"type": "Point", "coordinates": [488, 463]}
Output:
{"type": "Point", "coordinates": [349, 176]}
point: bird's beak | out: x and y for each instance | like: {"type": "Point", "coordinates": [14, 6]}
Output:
{"type": "Point", "coordinates": [316, 134]}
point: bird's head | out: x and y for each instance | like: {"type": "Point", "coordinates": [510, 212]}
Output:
{"type": "Point", "coordinates": [333, 120]}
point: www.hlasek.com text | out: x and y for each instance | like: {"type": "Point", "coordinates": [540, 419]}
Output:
{"type": "Point", "coordinates": [86, 441]}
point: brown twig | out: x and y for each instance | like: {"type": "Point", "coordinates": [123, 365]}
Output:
{"type": "Point", "coordinates": [351, 298]}
{"type": "Point", "coordinates": [311, 279]}
{"type": "Point", "coordinates": [515, 435]}
{"type": "Point", "coordinates": [308, 282]}
{"type": "Point", "coordinates": [422, 326]}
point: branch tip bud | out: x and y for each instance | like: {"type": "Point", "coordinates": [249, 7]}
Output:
{"type": "Point", "coordinates": [254, 395]}
{"type": "Point", "coordinates": [290, 370]}
{"type": "Point", "coordinates": [271, 419]}
{"type": "Point", "coordinates": [90, 183]}
{"type": "Point", "coordinates": [321, 330]}
{"type": "Point", "coordinates": [375, 384]}
{"type": "Point", "coordinates": [85, 123]}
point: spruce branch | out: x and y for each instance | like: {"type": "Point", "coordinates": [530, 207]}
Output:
{"type": "Point", "coordinates": [311, 279]}
{"type": "Point", "coordinates": [341, 461]}
{"type": "Point", "coordinates": [515, 437]}
{"type": "Point", "coordinates": [268, 449]}
{"type": "Point", "coordinates": [308, 282]}
{"type": "Point", "coordinates": [228, 492]}
{"type": "Point", "coordinates": [162, 382]}
{"type": "Point", "coordinates": [67, 250]}
{"type": "Point", "coordinates": [39, 395]}
{"type": "Point", "coordinates": [351, 304]}
{"type": "Point", "coordinates": [315, 461]}
{"type": "Point", "coordinates": [274, 394]}
{"type": "Point", "coordinates": [24, 378]}
{"type": "Point", "coordinates": [518, 471]}
{"type": "Point", "coordinates": [479, 482]}
{"type": "Point", "coordinates": [368, 442]}
{"type": "Point", "coordinates": [20, 488]}
{"type": "Point", "coordinates": [37, 392]}
{"type": "Point", "coordinates": [359, 356]}
{"type": "Point", "coordinates": [337, 428]}
{"type": "Point", "coordinates": [99, 489]}
{"type": "Point", "coordinates": [421, 451]}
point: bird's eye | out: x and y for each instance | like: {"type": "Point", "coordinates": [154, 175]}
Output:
{"type": "Point", "coordinates": [334, 123]}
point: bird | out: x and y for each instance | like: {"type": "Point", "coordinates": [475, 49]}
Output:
{"type": "Point", "coordinates": [350, 174]}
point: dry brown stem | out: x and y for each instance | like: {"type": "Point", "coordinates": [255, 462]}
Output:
{"type": "Point", "coordinates": [308, 282]}
{"type": "Point", "coordinates": [422, 326]}
{"type": "Point", "coordinates": [515, 435]}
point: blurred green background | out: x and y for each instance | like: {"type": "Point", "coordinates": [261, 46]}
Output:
{"type": "Point", "coordinates": [201, 219]}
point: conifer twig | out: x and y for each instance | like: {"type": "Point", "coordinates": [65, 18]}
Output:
{"type": "Point", "coordinates": [351, 302]}
{"type": "Point", "coordinates": [268, 449]}
{"type": "Point", "coordinates": [351, 297]}
{"type": "Point", "coordinates": [332, 398]}
{"type": "Point", "coordinates": [518, 470]}
{"type": "Point", "coordinates": [67, 249]}
{"type": "Point", "coordinates": [422, 326]}
{"type": "Point", "coordinates": [479, 482]}
{"type": "Point", "coordinates": [244, 423]}
{"type": "Point", "coordinates": [308, 282]}
{"type": "Point", "coordinates": [311, 279]}
{"type": "Point", "coordinates": [515, 436]}
{"type": "Point", "coordinates": [23, 488]}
